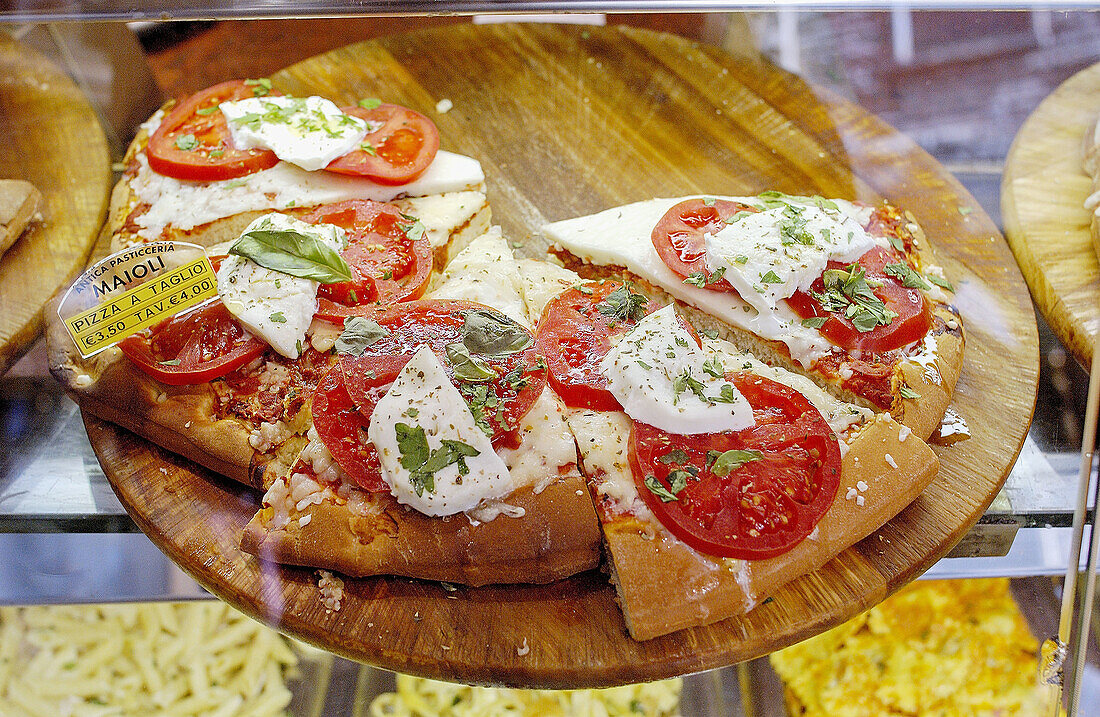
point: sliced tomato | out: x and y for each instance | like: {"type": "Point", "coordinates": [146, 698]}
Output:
{"type": "Point", "coordinates": [399, 148]}
{"type": "Point", "coordinates": [914, 316]}
{"type": "Point", "coordinates": [574, 335]}
{"type": "Point", "coordinates": [392, 266]}
{"type": "Point", "coordinates": [197, 347]}
{"type": "Point", "coordinates": [502, 401]}
{"type": "Point", "coordinates": [679, 236]}
{"type": "Point", "coordinates": [343, 430]}
{"type": "Point", "coordinates": [760, 509]}
{"type": "Point", "coordinates": [193, 141]}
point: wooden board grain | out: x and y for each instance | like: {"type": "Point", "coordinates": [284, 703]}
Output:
{"type": "Point", "coordinates": [568, 121]}
{"type": "Point", "coordinates": [53, 139]}
{"type": "Point", "coordinates": [1043, 192]}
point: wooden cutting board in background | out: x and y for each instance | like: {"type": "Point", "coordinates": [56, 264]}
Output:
{"type": "Point", "coordinates": [1043, 194]}
{"type": "Point", "coordinates": [51, 137]}
{"type": "Point", "coordinates": [568, 121]}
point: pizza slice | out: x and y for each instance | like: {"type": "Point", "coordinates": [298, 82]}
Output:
{"type": "Point", "coordinates": [203, 168]}
{"type": "Point", "coordinates": [436, 449]}
{"type": "Point", "coordinates": [847, 294]}
{"type": "Point", "coordinates": [716, 478]}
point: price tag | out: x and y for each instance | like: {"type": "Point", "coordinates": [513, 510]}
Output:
{"type": "Point", "coordinates": [133, 290]}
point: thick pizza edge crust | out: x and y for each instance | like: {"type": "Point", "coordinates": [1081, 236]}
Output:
{"type": "Point", "coordinates": [178, 418]}
{"type": "Point", "coordinates": [652, 574]}
{"type": "Point", "coordinates": [557, 536]}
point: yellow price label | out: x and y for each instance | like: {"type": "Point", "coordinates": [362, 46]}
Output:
{"type": "Point", "coordinates": [143, 306]}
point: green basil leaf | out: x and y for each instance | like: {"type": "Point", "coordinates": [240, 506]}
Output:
{"type": "Point", "coordinates": [293, 253]}
{"type": "Point", "coordinates": [186, 142]}
{"type": "Point", "coordinates": [815, 322]}
{"type": "Point", "coordinates": [908, 278]}
{"type": "Point", "coordinates": [468, 367]}
{"type": "Point", "coordinates": [942, 283]}
{"type": "Point", "coordinates": [448, 453]}
{"type": "Point", "coordinates": [491, 333]}
{"type": "Point", "coordinates": [676, 455]}
{"type": "Point", "coordinates": [359, 333]}
{"type": "Point", "coordinates": [622, 304]}
{"type": "Point", "coordinates": [659, 490]}
{"type": "Point", "coordinates": [722, 464]}
{"type": "Point", "coordinates": [907, 392]}
{"type": "Point", "coordinates": [714, 367]}
{"type": "Point", "coordinates": [415, 452]}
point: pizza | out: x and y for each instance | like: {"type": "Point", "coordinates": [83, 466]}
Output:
{"type": "Point", "coordinates": [409, 398]}
{"type": "Point", "coordinates": [717, 478]}
{"type": "Point", "coordinates": [844, 293]}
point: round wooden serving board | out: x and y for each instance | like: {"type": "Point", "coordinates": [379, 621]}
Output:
{"type": "Point", "coordinates": [53, 139]}
{"type": "Point", "coordinates": [1043, 194]}
{"type": "Point", "coordinates": [567, 122]}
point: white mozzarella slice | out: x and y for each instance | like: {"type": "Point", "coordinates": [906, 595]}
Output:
{"type": "Point", "coordinates": [657, 373]}
{"type": "Point", "coordinates": [621, 237]}
{"type": "Point", "coordinates": [423, 396]}
{"type": "Point", "coordinates": [274, 306]}
{"type": "Point", "coordinates": [485, 272]}
{"type": "Point", "coordinates": [768, 256]}
{"type": "Point", "coordinates": [309, 132]}
{"type": "Point", "coordinates": [442, 214]}
{"type": "Point", "coordinates": [186, 205]}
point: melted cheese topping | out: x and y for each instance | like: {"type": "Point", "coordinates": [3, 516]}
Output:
{"type": "Point", "coordinates": [660, 376]}
{"type": "Point", "coordinates": [546, 445]}
{"type": "Point", "coordinates": [308, 132]}
{"type": "Point", "coordinates": [486, 272]}
{"type": "Point", "coordinates": [769, 255]}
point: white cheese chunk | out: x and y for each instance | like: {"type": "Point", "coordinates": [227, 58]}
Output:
{"type": "Point", "coordinates": [768, 256]}
{"type": "Point", "coordinates": [485, 272]}
{"type": "Point", "coordinates": [657, 373]}
{"type": "Point", "coordinates": [186, 205]}
{"type": "Point", "coordinates": [423, 395]}
{"type": "Point", "coordinates": [309, 132]}
{"type": "Point", "coordinates": [274, 306]}
{"type": "Point", "coordinates": [442, 214]}
{"type": "Point", "coordinates": [541, 281]}
{"type": "Point", "coordinates": [546, 446]}
{"type": "Point", "coordinates": [622, 237]}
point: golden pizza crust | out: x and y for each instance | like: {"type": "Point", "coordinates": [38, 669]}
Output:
{"type": "Point", "coordinates": [179, 418]}
{"type": "Point", "coordinates": [557, 536]}
{"type": "Point", "coordinates": [648, 561]}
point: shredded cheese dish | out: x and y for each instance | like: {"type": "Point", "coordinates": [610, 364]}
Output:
{"type": "Point", "coordinates": [417, 697]}
{"type": "Point", "coordinates": [201, 658]}
{"type": "Point", "coordinates": [938, 647]}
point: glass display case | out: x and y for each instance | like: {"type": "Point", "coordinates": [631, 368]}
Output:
{"type": "Point", "coordinates": [920, 103]}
